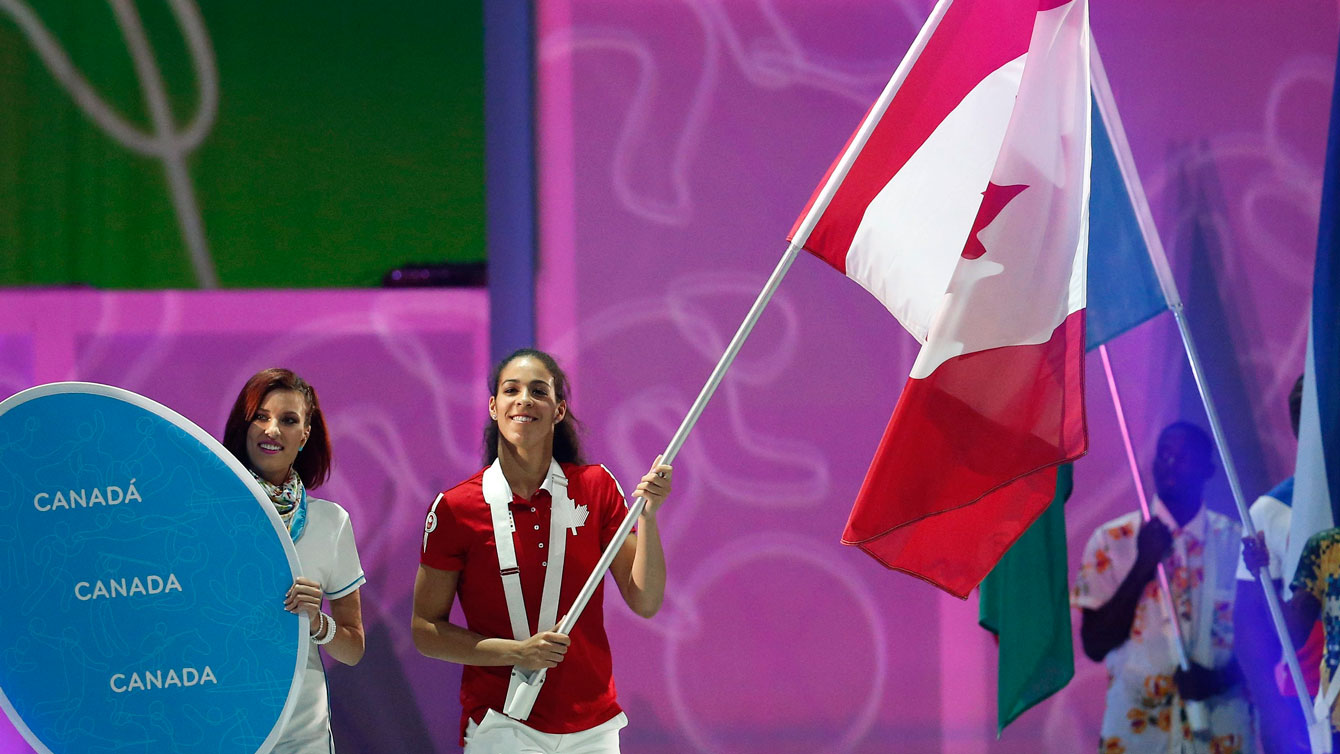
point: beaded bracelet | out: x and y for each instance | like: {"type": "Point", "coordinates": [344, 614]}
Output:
{"type": "Point", "coordinates": [327, 631]}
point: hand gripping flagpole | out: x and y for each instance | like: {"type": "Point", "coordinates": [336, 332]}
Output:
{"type": "Point", "coordinates": [1103, 94]}
{"type": "Point", "coordinates": [1249, 530]}
{"type": "Point", "coordinates": [520, 702]}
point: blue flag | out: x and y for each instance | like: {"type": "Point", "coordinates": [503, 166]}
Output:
{"type": "Point", "coordinates": [1317, 472]}
{"type": "Point", "coordinates": [1123, 288]}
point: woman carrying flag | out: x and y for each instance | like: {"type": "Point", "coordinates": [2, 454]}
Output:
{"type": "Point", "coordinates": [515, 542]}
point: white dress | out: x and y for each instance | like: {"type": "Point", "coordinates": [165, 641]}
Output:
{"type": "Point", "coordinates": [327, 555]}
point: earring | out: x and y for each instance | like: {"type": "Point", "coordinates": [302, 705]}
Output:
{"type": "Point", "coordinates": [300, 447]}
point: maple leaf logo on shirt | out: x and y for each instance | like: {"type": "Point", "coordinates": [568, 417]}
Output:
{"type": "Point", "coordinates": [579, 514]}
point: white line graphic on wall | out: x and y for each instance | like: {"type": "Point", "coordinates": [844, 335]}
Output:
{"type": "Point", "coordinates": [165, 143]}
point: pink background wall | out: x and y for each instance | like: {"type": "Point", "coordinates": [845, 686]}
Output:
{"type": "Point", "coordinates": [678, 140]}
{"type": "Point", "coordinates": [401, 378]}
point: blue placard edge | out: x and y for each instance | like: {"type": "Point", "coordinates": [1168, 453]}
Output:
{"type": "Point", "coordinates": [229, 460]}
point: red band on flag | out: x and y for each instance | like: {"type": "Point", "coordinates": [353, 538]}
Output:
{"type": "Point", "coordinates": [994, 200]}
{"type": "Point", "coordinates": [989, 428]}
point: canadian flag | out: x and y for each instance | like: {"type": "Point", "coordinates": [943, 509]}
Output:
{"type": "Point", "coordinates": [965, 213]}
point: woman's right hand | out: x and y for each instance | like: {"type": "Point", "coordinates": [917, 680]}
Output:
{"type": "Point", "coordinates": [543, 650]}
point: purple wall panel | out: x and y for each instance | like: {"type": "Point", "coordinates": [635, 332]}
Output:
{"type": "Point", "coordinates": [400, 376]}
{"type": "Point", "coordinates": [678, 141]}
{"type": "Point", "coordinates": [16, 366]}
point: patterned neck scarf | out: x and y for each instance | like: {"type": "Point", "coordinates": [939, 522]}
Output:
{"type": "Point", "coordinates": [290, 501]}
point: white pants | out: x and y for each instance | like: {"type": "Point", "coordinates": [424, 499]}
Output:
{"type": "Point", "coordinates": [500, 734]}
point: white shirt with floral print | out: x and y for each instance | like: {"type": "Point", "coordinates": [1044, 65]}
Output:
{"type": "Point", "coordinates": [1144, 712]}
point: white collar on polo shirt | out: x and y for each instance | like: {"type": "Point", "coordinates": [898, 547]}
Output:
{"type": "Point", "coordinates": [497, 490]}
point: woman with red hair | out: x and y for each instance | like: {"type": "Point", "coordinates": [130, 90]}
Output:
{"type": "Point", "coordinates": [276, 429]}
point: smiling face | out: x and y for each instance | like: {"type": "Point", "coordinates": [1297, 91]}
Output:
{"type": "Point", "coordinates": [275, 434]}
{"type": "Point", "coordinates": [525, 406]}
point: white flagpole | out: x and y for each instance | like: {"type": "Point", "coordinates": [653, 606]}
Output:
{"type": "Point", "coordinates": [1103, 95]}
{"type": "Point", "coordinates": [519, 704]}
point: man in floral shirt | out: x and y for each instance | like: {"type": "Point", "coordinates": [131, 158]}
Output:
{"type": "Point", "coordinates": [1124, 623]}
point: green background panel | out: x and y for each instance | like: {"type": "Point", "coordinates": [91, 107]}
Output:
{"type": "Point", "coordinates": [349, 139]}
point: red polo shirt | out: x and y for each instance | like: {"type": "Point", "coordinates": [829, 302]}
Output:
{"type": "Point", "coordinates": [579, 692]}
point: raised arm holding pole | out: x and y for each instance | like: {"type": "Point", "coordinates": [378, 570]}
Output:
{"type": "Point", "coordinates": [520, 703]}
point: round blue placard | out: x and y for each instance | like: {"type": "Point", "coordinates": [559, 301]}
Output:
{"type": "Point", "coordinates": [142, 574]}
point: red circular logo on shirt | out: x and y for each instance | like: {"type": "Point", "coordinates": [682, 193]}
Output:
{"type": "Point", "coordinates": [431, 523]}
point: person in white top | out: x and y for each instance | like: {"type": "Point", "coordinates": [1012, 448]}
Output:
{"type": "Point", "coordinates": [277, 430]}
{"type": "Point", "coordinates": [1279, 719]}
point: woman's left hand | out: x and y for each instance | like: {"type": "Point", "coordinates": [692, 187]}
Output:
{"type": "Point", "coordinates": [304, 597]}
{"type": "Point", "coordinates": [655, 487]}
